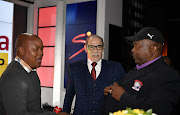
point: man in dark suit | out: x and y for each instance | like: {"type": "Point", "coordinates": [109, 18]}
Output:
{"type": "Point", "coordinates": [19, 84]}
{"type": "Point", "coordinates": [87, 87]}
{"type": "Point", "coordinates": [151, 84]}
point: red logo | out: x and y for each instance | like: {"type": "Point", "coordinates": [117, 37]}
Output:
{"type": "Point", "coordinates": [6, 43]}
{"type": "Point", "coordinates": [137, 85]}
{"type": "Point", "coordinates": [75, 41]}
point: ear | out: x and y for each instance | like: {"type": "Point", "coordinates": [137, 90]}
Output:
{"type": "Point", "coordinates": [85, 48]}
{"type": "Point", "coordinates": [21, 50]}
{"type": "Point", "coordinates": [103, 47]}
{"type": "Point", "coordinates": [153, 48]}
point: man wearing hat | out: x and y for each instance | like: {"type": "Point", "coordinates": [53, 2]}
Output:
{"type": "Point", "coordinates": [152, 84]}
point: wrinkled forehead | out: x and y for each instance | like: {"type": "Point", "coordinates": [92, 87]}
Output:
{"type": "Point", "coordinates": [95, 40]}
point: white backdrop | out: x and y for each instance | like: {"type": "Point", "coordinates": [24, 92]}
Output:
{"type": "Point", "coordinates": [6, 30]}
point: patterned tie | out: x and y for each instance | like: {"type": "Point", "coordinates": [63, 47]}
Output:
{"type": "Point", "coordinates": [93, 72]}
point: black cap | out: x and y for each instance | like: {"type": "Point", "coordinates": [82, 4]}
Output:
{"type": "Point", "coordinates": [150, 33]}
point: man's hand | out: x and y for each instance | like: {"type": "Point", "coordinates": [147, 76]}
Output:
{"type": "Point", "coordinates": [117, 91]}
{"type": "Point", "coordinates": [107, 90]}
{"type": "Point", "coordinates": [63, 113]}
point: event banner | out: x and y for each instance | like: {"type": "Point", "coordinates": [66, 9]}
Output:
{"type": "Point", "coordinates": [6, 27]}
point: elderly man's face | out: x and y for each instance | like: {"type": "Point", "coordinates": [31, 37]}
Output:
{"type": "Point", "coordinates": [142, 51]}
{"type": "Point", "coordinates": [94, 53]}
{"type": "Point", "coordinates": [33, 52]}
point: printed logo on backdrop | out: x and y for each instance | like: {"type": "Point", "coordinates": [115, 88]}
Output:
{"type": "Point", "coordinates": [6, 30]}
{"type": "Point", "coordinates": [75, 41]}
{"type": "Point", "coordinates": [3, 62]}
{"type": "Point", "coordinates": [4, 46]}
{"type": "Point", "coordinates": [4, 43]}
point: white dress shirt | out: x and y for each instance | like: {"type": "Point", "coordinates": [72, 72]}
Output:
{"type": "Point", "coordinates": [97, 67]}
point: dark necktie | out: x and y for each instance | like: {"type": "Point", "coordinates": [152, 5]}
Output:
{"type": "Point", "coordinates": [93, 72]}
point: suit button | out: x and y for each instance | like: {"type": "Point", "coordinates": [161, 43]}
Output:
{"type": "Point", "coordinates": [94, 85]}
{"type": "Point", "coordinates": [94, 111]}
{"type": "Point", "coordinates": [93, 102]}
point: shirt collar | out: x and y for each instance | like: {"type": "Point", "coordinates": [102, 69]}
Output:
{"type": "Point", "coordinates": [24, 64]}
{"type": "Point", "coordinates": [146, 64]}
{"type": "Point", "coordinates": [90, 62]}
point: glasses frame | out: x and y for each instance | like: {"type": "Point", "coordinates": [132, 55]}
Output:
{"type": "Point", "coordinates": [102, 46]}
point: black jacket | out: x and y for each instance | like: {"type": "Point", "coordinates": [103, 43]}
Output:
{"type": "Point", "coordinates": [156, 86]}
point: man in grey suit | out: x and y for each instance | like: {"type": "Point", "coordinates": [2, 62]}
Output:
{"type": "Point", "coordinates": [20, 92]}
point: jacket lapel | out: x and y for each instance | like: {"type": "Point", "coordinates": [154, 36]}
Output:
{"type": "Point", "coordinates": [103, 71]}
{"type": "Point", "coordinates": [85, 73]}
{"type": "Point", "coordinates": [135, 74]}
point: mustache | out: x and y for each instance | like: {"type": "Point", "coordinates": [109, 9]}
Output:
{"type": "Point", "coordinates": [95, 54]}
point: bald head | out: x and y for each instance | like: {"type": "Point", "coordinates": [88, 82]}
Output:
{"type": "Point", "coordinates": [94, 36]}
{"type": "Point", "coordinates": [24, 38]}
{"type": "Point", "coordinates": [29, 48]}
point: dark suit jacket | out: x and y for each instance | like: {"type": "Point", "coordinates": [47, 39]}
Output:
{"type": "Point", "coordinates": [20, 92]}
{"type": "Point", "coordinates": [89, 93]}
{"type": "Point", "coordinates": [160, 90]}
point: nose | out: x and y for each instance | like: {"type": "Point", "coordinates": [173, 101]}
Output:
{"type": "Point", "coordinates": [95, 49]}
{"type": "Point", "coordinates": [41, 52]}
{"type": "Point", "coordinates": [133, 50]}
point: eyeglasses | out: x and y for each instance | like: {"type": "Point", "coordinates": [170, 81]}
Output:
{"type": "Point", "coordinates": [92, 47]}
